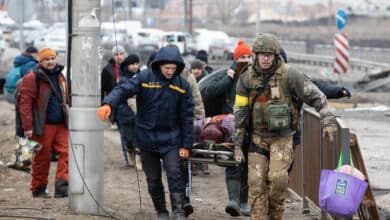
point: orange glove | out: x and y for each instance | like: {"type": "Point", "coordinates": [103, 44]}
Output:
{"type": "Point", "coordinates": [104, 112]}
{"type": "Point", "coordinates": [184, 153]}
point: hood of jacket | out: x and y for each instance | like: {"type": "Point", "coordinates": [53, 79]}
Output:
{"type": "Point", "coordinates": [23, 59]}
{"type": "Point", "coordinates": [168, 55]}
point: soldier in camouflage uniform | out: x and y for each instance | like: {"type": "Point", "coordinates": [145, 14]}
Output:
{"type": "Point", "coordinates": [264, 109]}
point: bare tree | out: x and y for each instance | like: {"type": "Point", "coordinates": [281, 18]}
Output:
{"type": "Point", "coordinates": [224, 9]}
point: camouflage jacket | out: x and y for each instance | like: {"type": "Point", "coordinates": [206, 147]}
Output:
{"type": "Point", "coordinates": [289, 83]}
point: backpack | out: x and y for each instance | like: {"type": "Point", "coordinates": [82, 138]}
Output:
{"type": "Point", "coordinates": [11, 79]}
{"type": "Point", "coordinates": [18, 120]}
{"type": "Point", "coordinates": [212, 105]}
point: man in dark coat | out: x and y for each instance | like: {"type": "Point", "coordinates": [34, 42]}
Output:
{"type": "Point", "coordinates": [111, 72]}
{"type": "Point", "coordinates": [124, 115]}
{"type": "Point", "coordinates": [221, 91]}
{"type": "Point", "coordinates": [164, 124]}
{"type": "Point", "coordinates": [203, 56]}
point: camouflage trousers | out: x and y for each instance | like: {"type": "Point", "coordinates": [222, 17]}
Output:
{"type": "Point", "coordinates": [268, 178]}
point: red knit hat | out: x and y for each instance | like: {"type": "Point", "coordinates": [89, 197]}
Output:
{"type": "Point", "coordinates": [242, 49]}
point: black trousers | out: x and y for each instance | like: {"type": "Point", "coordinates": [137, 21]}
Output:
{"type": "Point", "coordinates": [152, 167]}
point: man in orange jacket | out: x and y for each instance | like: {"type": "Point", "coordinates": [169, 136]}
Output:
{"type": "Point", "coordinates": [44, 119]}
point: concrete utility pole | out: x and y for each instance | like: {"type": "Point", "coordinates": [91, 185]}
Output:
{"type": "Point", "coordinates": [86, 153]}
{"type": "Point", "coordinates": [257, 17]}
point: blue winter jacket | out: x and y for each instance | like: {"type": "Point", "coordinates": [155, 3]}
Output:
{"type": "Point", "coordinates": [165, 108]}
{"type": "Point", "coordinates": [123, 114]}
{"type": "Point", "coordinates": [26, 62]}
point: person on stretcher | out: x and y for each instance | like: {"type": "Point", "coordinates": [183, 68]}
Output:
{"type": "Point", "coordinates": [216, 129]}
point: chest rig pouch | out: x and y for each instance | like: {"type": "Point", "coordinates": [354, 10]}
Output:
{"type": "Point", "coordinates": [278, 116]}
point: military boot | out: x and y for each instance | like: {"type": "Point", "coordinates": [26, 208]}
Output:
{"type": "Point", "coordinates": [244, 206]}
{"type": "Point", "coordinates": [41, 193]}
{"type": "Point", "coordinates": [177, 206]}
{"type": "Point", "coordinates": [61, 188]}
{"type": "Point", "coordinates": [160, 206]}
{"type": "Point", "coordinates": [233, 187]}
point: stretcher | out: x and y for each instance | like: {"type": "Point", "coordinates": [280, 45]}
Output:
{"type": "Point", "coordinates": [221, 154]}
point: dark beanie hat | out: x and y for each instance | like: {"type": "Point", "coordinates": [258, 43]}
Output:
{"type": "Point", "coordinates": [131, 59]}
{"type": "Point", "coordinates": [31, 50]}
{"type": "Point", "coordinates": [202, 55]}
{"type": "Point", "coordinates": [196, 64]}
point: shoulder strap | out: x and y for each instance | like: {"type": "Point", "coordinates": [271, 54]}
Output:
{"type": "Point", "coordinates": [52, 87]}
{"type": "Point", "coordinates": [37, 82]}
{"type": "Point", "coordinates": [259, 91]}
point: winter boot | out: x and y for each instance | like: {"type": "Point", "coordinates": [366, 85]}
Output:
{"type": "Point", "coordinates": [177, 206]}
{"type": "Point", "coordinates": [131, 158]}
{"type": "Point", "coordinates": [244, 206]}
{"type": "Point", "coordinates": [160, 206]}
{"type": "Point", "coordinates": [61, 188]}
{"type": "Point", "coordinates": [138, 162]}
{"type": "Point", "coordinates": [41, 193]}
{"type": "Point", "coordinates": [188, 209]}
{"type": "Point", "coordinates": [233, 187]}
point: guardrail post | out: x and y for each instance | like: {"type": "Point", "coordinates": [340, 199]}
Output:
{"type": "Point", "coordinates": [305, 203]}
{"type": "Point", "coordinates": [323, 213]}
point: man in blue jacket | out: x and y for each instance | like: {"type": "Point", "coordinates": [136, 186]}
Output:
{"type": "Point", "coordinates": [164, 124]}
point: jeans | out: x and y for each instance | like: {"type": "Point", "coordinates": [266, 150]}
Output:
{"type": "Point", "coordinates": [126, 133]}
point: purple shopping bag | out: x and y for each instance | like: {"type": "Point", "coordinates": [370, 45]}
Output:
{"type": "Point", "coordinates": [340, 194]}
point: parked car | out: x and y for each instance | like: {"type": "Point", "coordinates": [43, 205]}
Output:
{"type": "Point", "coordinates": [148, 35]}
{"type": "Point", "coordinates": [111, 36]}
{"type": "Point", "coordinates": [204, 38]}
{"type": "Point", "coordinates": [182, 40]}
{"type": "Point", "coordinates": [223, 48]}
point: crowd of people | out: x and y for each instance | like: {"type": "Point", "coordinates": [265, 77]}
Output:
{"type": "Point", "coordinates": [155, 110]}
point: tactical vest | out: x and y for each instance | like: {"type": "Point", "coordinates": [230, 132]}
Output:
{"type": "Point", "coordinates": [273, 111]}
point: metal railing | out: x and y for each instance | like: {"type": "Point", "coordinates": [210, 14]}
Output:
{"type": "Point", "coordinates": [328, 61]}
{"type": "Point", "coordinates": [317, 153]}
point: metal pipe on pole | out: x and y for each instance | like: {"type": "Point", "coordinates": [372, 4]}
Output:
{"type": "Point", "coordinates": [86, 153]}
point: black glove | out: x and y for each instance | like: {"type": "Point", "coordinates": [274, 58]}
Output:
{"type": "Point", "coordinates": [345, 92]}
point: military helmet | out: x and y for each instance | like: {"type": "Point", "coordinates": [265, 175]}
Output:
{"type": "Point", "coordinates": [266, 43]}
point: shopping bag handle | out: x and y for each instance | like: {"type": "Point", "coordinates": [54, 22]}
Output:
{"type": "Point", "coordinates": [341, 159]}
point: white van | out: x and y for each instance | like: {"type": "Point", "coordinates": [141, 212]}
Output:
{"type": "Point", "coordinates": [204, 38]}
{"type": "Point", "coordinates": [147, 37]}
{"type": "Point", "coordinates": [182, 40]}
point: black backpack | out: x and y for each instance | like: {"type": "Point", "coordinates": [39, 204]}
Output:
{"type": "Point", "coordinates": [18, 119]}
{"type": "Point", "coordinates": [212, 105]}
